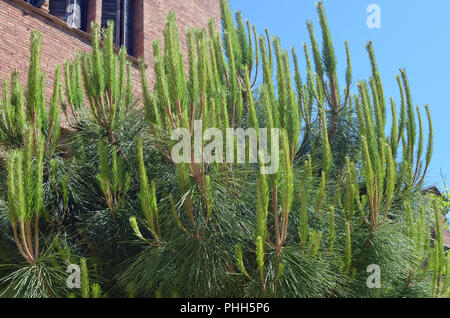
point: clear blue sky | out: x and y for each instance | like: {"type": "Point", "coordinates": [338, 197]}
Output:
{"type": "Point", "coordinates": [414, 34]}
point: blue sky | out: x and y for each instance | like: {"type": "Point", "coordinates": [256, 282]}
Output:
{"type": "Point", "coordinates": [414, 34]}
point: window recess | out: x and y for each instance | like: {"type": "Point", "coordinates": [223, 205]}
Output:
{"type": "Point", "coordinates": [36, 3]}
{"type": "Point", "coordinates": [71, 11]}
{"type": "Point", "coordinates": [120, 11]}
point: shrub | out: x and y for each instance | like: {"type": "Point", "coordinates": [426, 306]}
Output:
{"type": "Point", "coordinates": [347, 194]}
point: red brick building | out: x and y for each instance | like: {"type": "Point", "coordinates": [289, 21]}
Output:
{"type": "Point", "coordinates": [65, 26]}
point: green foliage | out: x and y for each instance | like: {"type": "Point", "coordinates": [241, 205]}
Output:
{"type": "Point", "coordinates": [25, 196]}
{"type": "Point", "coordinates": [22, 111]}
{"type": "Point", "coordinates": [88, 290]}
{"type": "Point", "coordinates": [113, 178]}
{"type": "Point", "coordinates": [446, 202]}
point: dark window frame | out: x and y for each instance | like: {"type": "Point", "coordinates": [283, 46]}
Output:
{"type": "Point", "coordinates": [121, 12]}
{"type": "Point", "coordinates": [58, 9]}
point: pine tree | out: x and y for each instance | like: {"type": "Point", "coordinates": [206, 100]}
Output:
{"type": "Point", "coordinates": [348, 192]}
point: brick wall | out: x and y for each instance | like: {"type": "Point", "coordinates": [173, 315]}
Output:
{"type": "Point", "coordinates": [192, 13]}
{"type": "Point", "coordinates": [138, 27]}
{"type": "Point", "coordinates": [17, 19]}
{"type": "Point", "coordinates": [94, 10]}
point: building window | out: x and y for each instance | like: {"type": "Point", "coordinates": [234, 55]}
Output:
{"type": "Point", "coordinates": [36, 3]}
{"type": "Point", "coordinates": [71, 11]}
{"type": "Point", "coordinates": [120, 11]}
